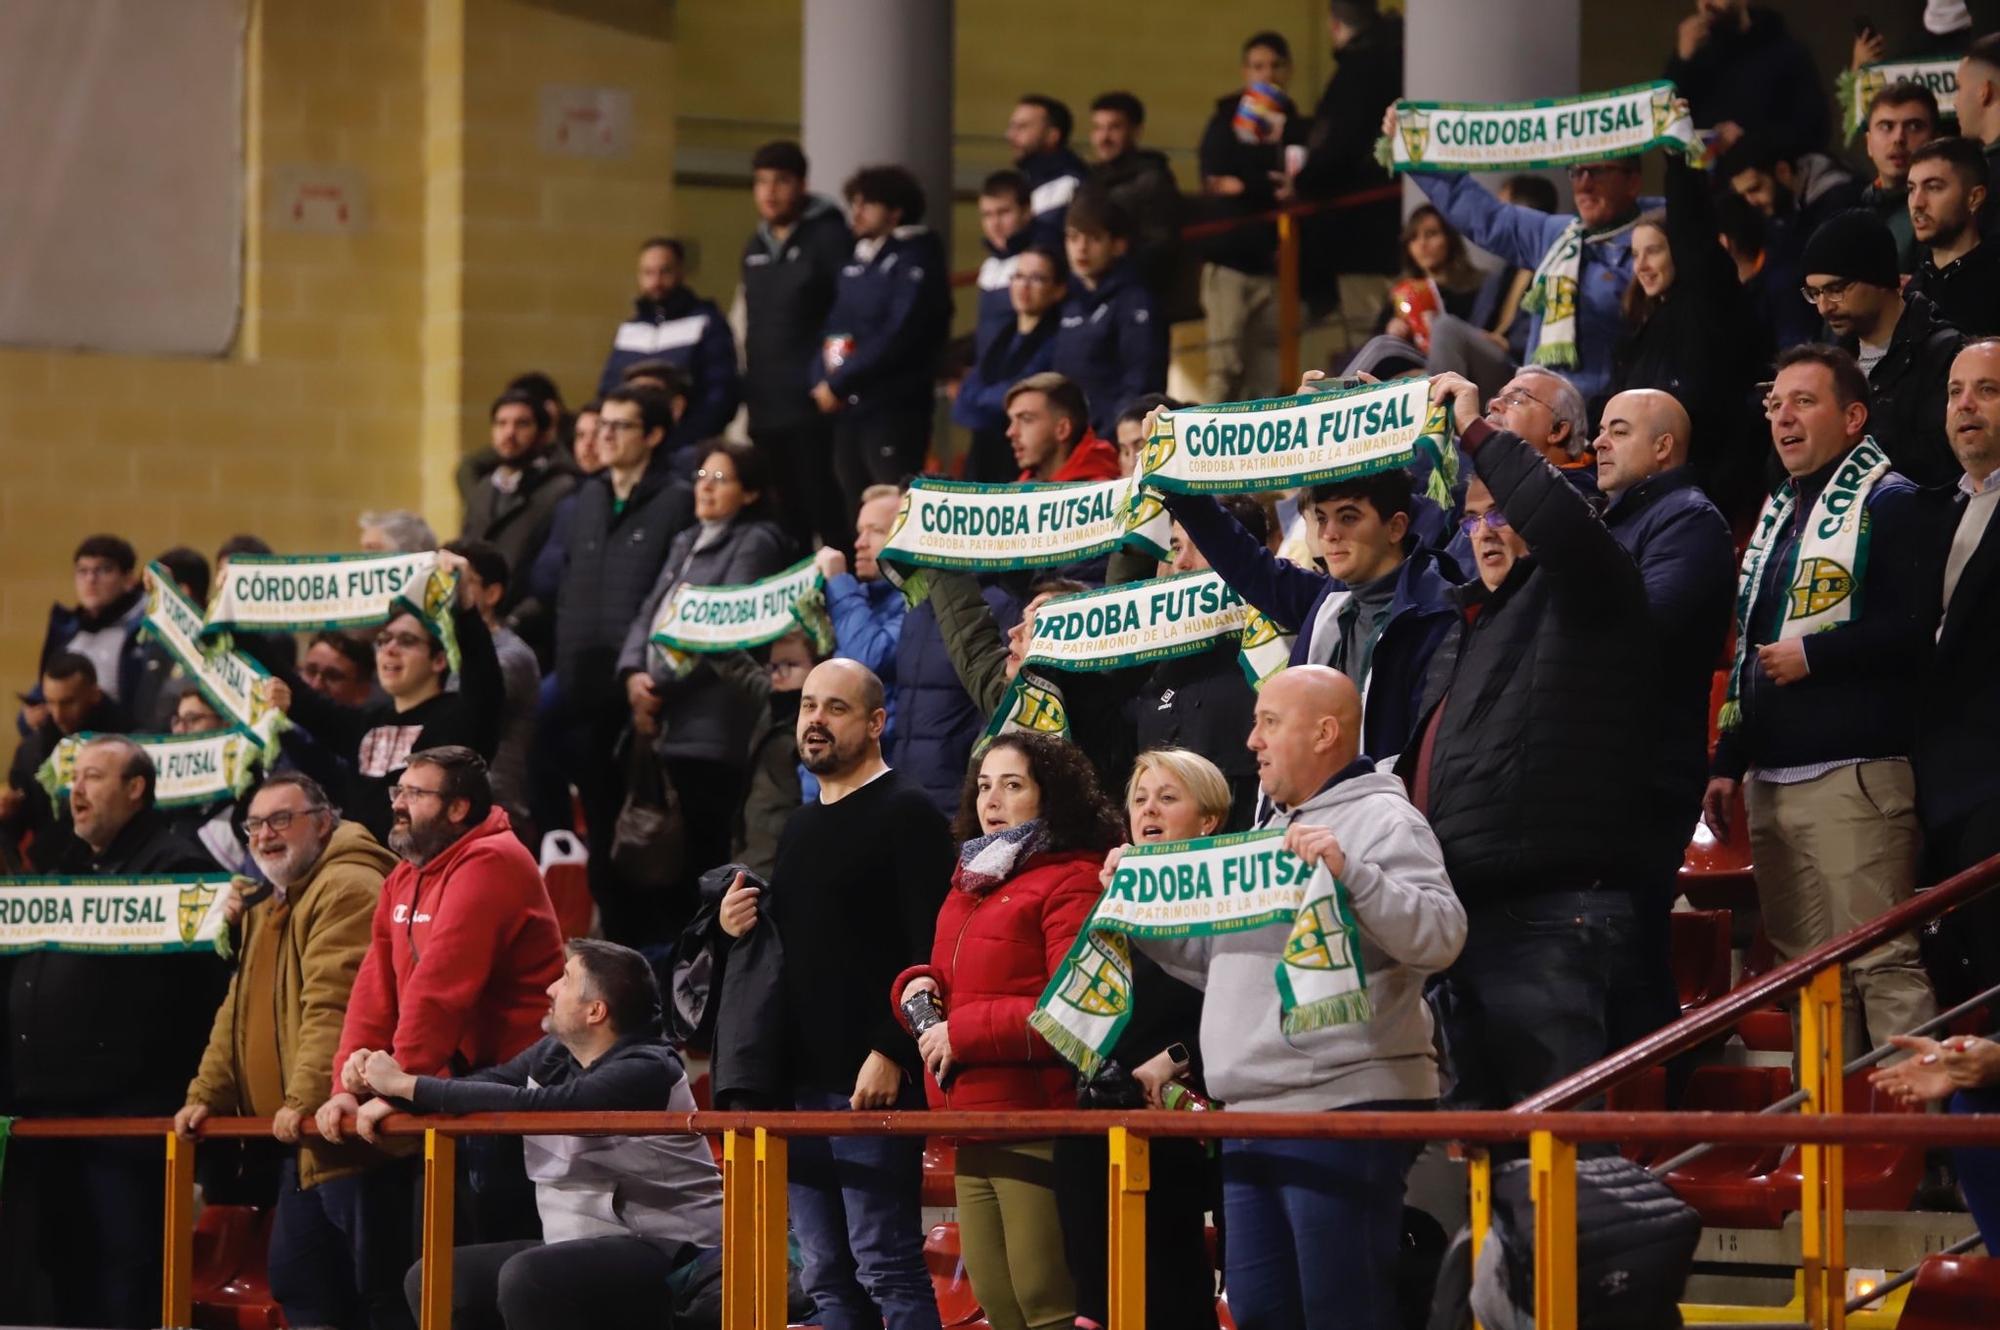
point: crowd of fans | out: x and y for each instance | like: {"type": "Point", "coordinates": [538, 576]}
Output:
{"type": "Point", "coordinates": [1494, 729]}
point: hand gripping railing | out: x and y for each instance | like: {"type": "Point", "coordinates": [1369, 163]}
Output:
{"type": "Point", "coordinates": [1816, 978]}
{"type": "Point", "coordinates": [754, 1160]}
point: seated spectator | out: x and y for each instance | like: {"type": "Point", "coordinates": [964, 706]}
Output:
{"type": "Point", "coordinates": [1607, 202]}
{"type": "Point", "coordinates": [469, 902]}
{"type": "Point", "coordinates": [774, 789]}
{"type": "Point", "coordinates": [860, 873]}
{"type": "Point", "coordinates": [1141, 181]}
{"type": "Point", "coordinates": [105, 1035]}
{"type": "Point", "coordinates": [342, 1232]}
{"type": "Point", "coordinates": [891, 314]}
{"type": "Point", "coordinates": [1769, 278]}
{"type": "Point", "coordinates": [1032, 829]}
{"type": "Point", "coordinates": [1901, 118]}
{"type": "Point", "coordinates": [397, 531]}
{"type": "Point", "coordinates": [1174, 794]}
{"type": "Point", "coordinates": [1131, 428]}
{"type": "Point", "coordinates": [1377, 615]}
{"type": "Point", "coordinates": [695, 721]}
{"type": "Point", "coordinates": [1287, 1201]}
{"type": "Point", "coordinates": [1976, 103]}
{"type": "Point", "coordinates": [1557, 600]}
{"type": "Point", "coordinates": [671, 323]}
{"type": "Point", "coordinates": [1048, 427]}
{"type": "Point", "coordinates": [1904, 346]}
{"type": "Point", "coordinates": [512, 505]}
{"type": "Point", "coordinates": [1687, 559]}
{"type": "Point", "coordinates": [1949, 191]}
{"type": "Point", "coordinates": [189, 569]}
{"type": "Point", "coordinates": [1964, 1070]}
{"type": "Point", "coordinates": [866, 608]}
{"type": "Point", "coordinates": [1816, 734]}
{"type": "Point", "coordinates": [1242, 155]}
{"type": "Point", "coordinates": [72, 702]}
{"type": "Point", "coordinates": [1202, 702]}
{"type": "Point", "coordinates": [484, 585]}
{"type": "Point", "coordinates": [791, 265]}
{"type": "Point", "coordinates": [1744, 74]}
{"type": "Point", "coordinates": [1109, 344]}
{"type": "Point", "coordinates": [1690, 333]}
{"type": "Point", "coordinates": [1038, 131]}
{"type": "Point", "coordinates": [620, 1214]}
{"type": "Point", "coordinates": [415, 712]}
{"type": "Point", "coordinates": [1434, 255]}
{"type": "Point", "coordinates": [1447, 308]}
{"type": "Point", "coordinates": [1797, 192]}
{"type": "Point", "coordinates": [103, 628]}
{"type": "Point", "coordinates": [1037, 285]}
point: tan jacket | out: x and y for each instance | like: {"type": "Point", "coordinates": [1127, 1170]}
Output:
{"type": "Point", "coordinates": [326, 935]}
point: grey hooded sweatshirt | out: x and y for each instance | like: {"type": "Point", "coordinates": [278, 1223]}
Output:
{"type": "Point", "coordinates": [1412, 925]}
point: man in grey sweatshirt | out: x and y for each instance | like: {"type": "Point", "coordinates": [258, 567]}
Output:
{"type": "Point", "coordinates": [619, 1214]}
{"type": "Point", "coordinates": [1314, 1224]}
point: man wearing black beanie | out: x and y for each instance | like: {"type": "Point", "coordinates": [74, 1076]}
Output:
{"type": "Point", "coordinates": [1905, 347]}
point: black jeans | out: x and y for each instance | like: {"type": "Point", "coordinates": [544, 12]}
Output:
{"type": "Point", "coordinates": [338, 1250]}
{"type": "Point", "coordinates": [615, 1283]}
{"type": "Point", "coordinates": [98, 1228]}
{"type": "Point", "coordinates": [1180, 1282]}
{"type": "Point", "coordinates": [885, 447]}
{"type": "Point", "coordinates": [809, 498]}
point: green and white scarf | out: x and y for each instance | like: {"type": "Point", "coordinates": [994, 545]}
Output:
{"type": "Point", "coordinates": [1267, 648]}
{"type": "Point", "coordinates": [1032, 704]}
{"type": "Point", "coordinates": [1829, 564]}
{"type": "Point", "coordinates": [1205, 888]}
{"type": "Point", "coordinates": [230, 680]}
{"type": "Point", "coordinates": [1552, 291]}
{"type": "Point", "coordinates": [1854, 89]}
{"type": "Point", "coordinates": [133, 915]}
{"type": "Point", "coordinates": [1520, 136]}
{"type": "Point", "coordinates": [1001, 528]}
{"type": "Point", "coordinates": [310, 593]}
{"type": "Point", "coordinates": [739, 618]}
{"type": "Point", "coordinates": [1314, 438]}
{"type": "Point", "coordinates": [193, 770]}
{"type": "Point", "coordinates": [1141, 623]}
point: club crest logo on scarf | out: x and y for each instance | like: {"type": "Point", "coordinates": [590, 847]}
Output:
{"type": "Point", "coordinates": [1316, 941]}
{"type": "Point", "coordinates": [194, 905]}
{"type": "Point", "coordinates": [1416, 129]}
{"type": "Point", "coordinates": [1822, 583]}
{"type": "Point", "coordinates": [1097, 984]}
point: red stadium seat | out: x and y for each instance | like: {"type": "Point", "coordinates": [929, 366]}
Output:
{"type": "Point", "coordinates": [1725, 1184]}
{"type": "Point", "coordinates": [1644, 1093]}
{"type": "Point", "coordinates": [940, 1188]}
{"type": "Point", "coordinates": [957, 1307]}
{"type": "Point", "coordinates": [1768, 1030]}
{"type": "Point", "coordinates": [1879, 1177]}
{"type": "Point", "coordinates": [566, 870]}
{"type": "Point", "coordinates": [1952, 1293]}
{"type": "Point", "coordinates": [231, 1291]}
{"type": "Point", "coordinates": [1700, 955]}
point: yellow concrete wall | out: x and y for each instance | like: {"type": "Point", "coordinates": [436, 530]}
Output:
{"type": "Point", "coordinates": [366, 360]}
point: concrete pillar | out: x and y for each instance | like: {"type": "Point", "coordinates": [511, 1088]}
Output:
{"type": "Point", "coordinates": [878, 88]}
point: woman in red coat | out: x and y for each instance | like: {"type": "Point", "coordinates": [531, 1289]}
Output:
{"type": "Point", "coordinates": [1034, 829]}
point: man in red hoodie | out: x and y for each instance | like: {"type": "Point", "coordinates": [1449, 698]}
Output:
{"type": "Point", "coordinates": [465, 942]}
{"type": "Point", "coordinates": [1048, 424]}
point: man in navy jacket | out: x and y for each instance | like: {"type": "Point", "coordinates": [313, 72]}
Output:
{"type": "Point", "coordinates": [1110, 344]}
{"type": "Point", "coordinates": [1687, 559]}
{"type": "Point", "coordinates": [1038, 131]}
{"type": "Point", "coordinates": [1378, 619]}
{"type": "Point", "coordinates": [1821, 751]}
{"type": "Point", "coordinates": [670, 322]}
{"type": "Point", "coordinates": [891, 314]}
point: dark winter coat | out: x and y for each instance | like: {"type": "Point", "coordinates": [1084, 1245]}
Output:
{"type": "Point", "coordinates": [1959, 701]}
{"type": "Point", "coordinates": [614, 558]}
{"type": "Point", "coordinates": [1251, 248]}
{"type": "Point", "coordinates": [518, 524]}
{"type": "Point", "coordinates": [891, 314]}
{"type": "Point", "coordinates": [1966, 291]}
{"type": "Point", "coordinates": [693, 336]}
{"type": "Point", "coordinates": [1906, 392]}
{"type": "Point", "coordinates": [788, 288]}
{"type": "Point", "coordinates": [1340, 159]}
{"type": "Point", "coordinates": [1762, 79]}
{"type": "Point", "coordinates": [1110, 344]}
{"type": "Point", "coordinates": [1053, 179]}
{"type": "Point", "coordinates": [1204, 702]}
{"type": "Point", "coordinates": [936, 721]}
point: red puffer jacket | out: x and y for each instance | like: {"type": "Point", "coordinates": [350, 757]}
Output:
{"type": "Point", "coordinates": [995, 952]}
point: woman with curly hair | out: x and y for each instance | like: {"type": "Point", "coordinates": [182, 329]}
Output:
{"type": "Point", "coordinates": [1034, 828]}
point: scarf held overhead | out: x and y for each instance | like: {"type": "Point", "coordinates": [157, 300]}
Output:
{"type": "Point", "coordinates": [182, 912]}
{"type": "Point", "coordinates": [1823, 584]}
{"type": "Point", "coordinates": [1515, 136]}
{"type": "Point", "coordinates": [738, 618]}
{"type": "Point", "coordinates": [192, 770]}
{"type": "Point", "coordinates": [318, 592]}
{"type": "Point", "coordinates": [1208, 887]}
{"type": "Point", "coordinates": [1001, 528]}
{"type": "Point", "coordinates": [1312, 438]}
{"type": "Point", "coordinates": [1140, 623]}
{"type": "Point", "coordinates": [1855, 88]}
{"type": "Point", "coordinates": [230, 680]}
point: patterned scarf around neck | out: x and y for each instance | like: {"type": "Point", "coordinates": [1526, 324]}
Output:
{"type": "Point", "coordinates": [1552, 292]}
{"type": "Point", "coordinates": [984, 862]}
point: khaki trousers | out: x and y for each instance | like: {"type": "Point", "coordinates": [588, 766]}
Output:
{"type": "Point", "coordinates": [1241, 314]}
{"type": "Point", "coordinates": [1011, 1234]}
{"type": "Point", "coordinates": [1830, 855]}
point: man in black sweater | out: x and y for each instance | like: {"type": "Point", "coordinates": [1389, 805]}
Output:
{"type": "Point", "coordinates": [105, 1035]}
{"type": "Point", "coordinates": [1843, 574]}
{"type": "Point", "coordinates": [859, 876]}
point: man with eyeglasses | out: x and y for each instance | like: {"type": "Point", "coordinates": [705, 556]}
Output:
{"type": "Point", "coordinates": [463, 947]}
{"type": "Point", "coordinates": [415, 712]}
{"type": "Point", "coordinates": [1592, 284]}
{"type": "Point", "coordinates": [1904, 347]}
{"type": "Point", "coordinates": [1546, 698]}
{"type": "Point", "coordinates": [342, 1227]}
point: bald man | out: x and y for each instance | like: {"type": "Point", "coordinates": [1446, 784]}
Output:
{"type": "Point", "coordinates": [1682, 545]}
{"type": "Point", "coordinates": [1291, 1202]}
{"type": "Point", "coordinates": [855, 889]}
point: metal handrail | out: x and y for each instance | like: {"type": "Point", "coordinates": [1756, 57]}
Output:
{"type": "Point", "coordinates": [1713, 1018]}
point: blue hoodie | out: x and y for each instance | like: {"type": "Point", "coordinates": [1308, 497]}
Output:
{"type": "Point", "coordinates": [891, 315]}
{"type": "Point", "coordinates": [1111, 345]}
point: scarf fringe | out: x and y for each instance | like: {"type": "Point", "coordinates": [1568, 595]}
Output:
{"type": "Point", "coordinates": [1072, 1048]}
{"type": "Point", "coordinates": [1346, 1009]}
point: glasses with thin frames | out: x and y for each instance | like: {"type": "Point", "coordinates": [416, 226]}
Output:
{"type": "Point", "coordinates": [402, 794]}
